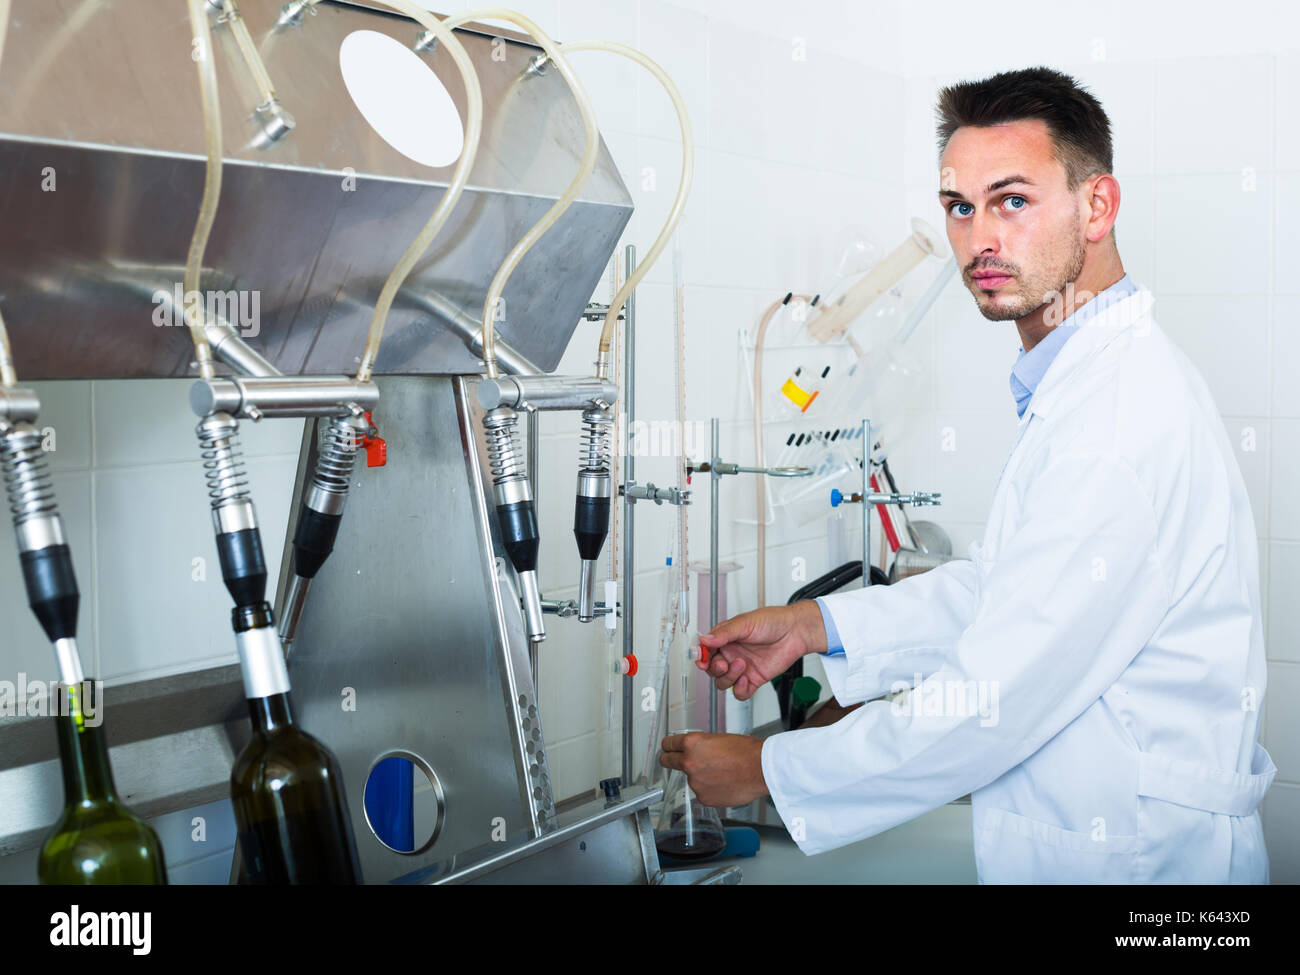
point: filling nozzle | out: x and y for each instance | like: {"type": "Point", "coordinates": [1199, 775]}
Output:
{"type": "Point", "coordinates": [234, 520]}
{"type": "Point", "coordinates": [591, 506]}
{"type": "Point", "coordinates": [243, 566]}
{"type": "Point", "coordinates": [42, 545]}
{"type": "Point", "coordinates": [516, 513]}
{"type": "Point", "coordinates": [321, 513]}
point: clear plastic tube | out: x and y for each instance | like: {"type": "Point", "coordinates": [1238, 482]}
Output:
{"type": "Point", "coordinates": [4, 25]}
{"type": "Point", "coordinates": [206, 64]}
{"type": "Point", "coordinates": [249, 50]}
{"type": "Point", "coordinates": [679, 201]}
{"type": "Point", "coordinates": [8, 377]}
{"type": "Point", "coordinates": [460, 176]}
{"type": "Point", "coordinates": [553, 214]}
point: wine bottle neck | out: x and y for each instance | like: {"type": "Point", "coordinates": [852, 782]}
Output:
{"type": "Point", "coordinates": [87, 775]}
{"type": "Point", "coordinates": [271, 713]}
{"type": "Point", "coordinates": [261, 658]}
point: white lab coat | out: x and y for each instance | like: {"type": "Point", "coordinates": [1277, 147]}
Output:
{"type": "Point", "coordinates": [1113, 607]}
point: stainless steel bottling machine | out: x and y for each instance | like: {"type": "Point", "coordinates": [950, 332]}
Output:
{"type": "Point", "coordinates": [316, 208]}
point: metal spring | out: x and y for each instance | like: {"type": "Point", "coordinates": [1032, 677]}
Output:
{"type": "Point", "coordinates": [223, 464]}
{"type": "Point", "coordinates": [594, 452]}
{"type": "Point", "coordinates": [337, 456]}
{"type": "Point", "coordinates": [27, 478]}
{"type": "Point", "coordinates": [504, 456]}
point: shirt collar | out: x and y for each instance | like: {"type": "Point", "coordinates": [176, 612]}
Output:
{"type": "Point", "coordinates": [1031, 366]}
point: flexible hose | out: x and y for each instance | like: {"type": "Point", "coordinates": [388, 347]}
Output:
{"type": "Point", "coordinates": [553, 214]}
{"type": "Point", "coordinates": [249, 50]}
{"type": "Point", "coordinates": [459, 177]}
{"type": "Point", "coordinates": [206, 63]}
{"type": "Point", "coordinates": [8, 377]}
{"type": "Point", "coordinates": [760, 482]}
{"type": "Point", "coordinates": [679, 201]}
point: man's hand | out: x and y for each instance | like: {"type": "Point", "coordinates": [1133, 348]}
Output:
{"type": "Point", "coordinates": [748, 650]}
{"type": "Point", "coordinates": [723, 770]}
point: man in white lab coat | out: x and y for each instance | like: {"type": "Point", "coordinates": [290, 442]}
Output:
{"type": "Point", "coordinates": [1093, 674]}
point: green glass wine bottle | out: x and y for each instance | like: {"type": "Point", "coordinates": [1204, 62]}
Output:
{"type": "Point", "coordinates": [286, 786]}
{"type": "Point", "coordinates": [97, 840]}
{"type": "Point", "coordinates": [291, 811]}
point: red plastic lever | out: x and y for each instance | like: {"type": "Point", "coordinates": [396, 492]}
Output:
{"type": "Point", "coordinates": [375, 446]}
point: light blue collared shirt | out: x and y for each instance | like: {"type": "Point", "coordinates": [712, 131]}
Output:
{"type": "Point", "coordinates": [1032, 366]}
{"type": "Point", "coordinates": [1026, 374]}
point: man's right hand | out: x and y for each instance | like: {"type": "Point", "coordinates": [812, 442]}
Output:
{"type": "Point", "coordinates": [747, 651]}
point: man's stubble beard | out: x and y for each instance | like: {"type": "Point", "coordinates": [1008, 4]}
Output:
{"type": "Point", "coordinates": [1049, 286]}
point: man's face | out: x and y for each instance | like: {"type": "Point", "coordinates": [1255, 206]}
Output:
{"type": "Point", "coordinates": [1009, 214]}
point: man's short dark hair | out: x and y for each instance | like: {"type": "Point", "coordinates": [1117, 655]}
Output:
{"type": "Point", "coordinates": [1078, 124]}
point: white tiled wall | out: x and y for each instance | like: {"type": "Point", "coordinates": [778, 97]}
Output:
{"type": "Point", "coordinates": [808, 118]}
{"type": "Point", "coordinates": [130, 488]}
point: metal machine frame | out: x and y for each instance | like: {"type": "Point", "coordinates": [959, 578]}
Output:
{"type": "Point", "coordinates": [451, 689]}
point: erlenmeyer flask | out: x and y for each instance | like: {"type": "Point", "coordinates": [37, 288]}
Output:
{"type": "Point", "coordinates": [687, 828]}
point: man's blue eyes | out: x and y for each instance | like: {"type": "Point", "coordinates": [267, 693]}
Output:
{"type": "Point", "coordinates": [965, 209]}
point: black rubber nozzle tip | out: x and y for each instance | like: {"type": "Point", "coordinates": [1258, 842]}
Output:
{"type": "Point", "coordinates": [519, 535]}
{"type": "Point", "coordinates": [243, 566]}
{"type": "Point", "coordinates": [52, 590]}
{"type": "Point", "coordinates": [313, 541]}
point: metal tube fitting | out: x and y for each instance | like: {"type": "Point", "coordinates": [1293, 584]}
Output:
{"type": "Point", "coordinates": [322, 511]}
{"type": "Point", "coordinates": [546, 392]}
{"type": "Point", "coordinates": [253, 397]}
{"type": "Point", "coordinates": [18, 405]}
{"type": "Point", "coordinates": [470, 331]}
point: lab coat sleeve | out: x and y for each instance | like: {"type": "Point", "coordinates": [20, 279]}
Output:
{"type": "Point", "coordinates": [1062, 610]}
{"type": "Point", "coordinates": [892, 633]}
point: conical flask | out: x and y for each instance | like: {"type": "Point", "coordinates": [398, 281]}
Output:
{"type": "Point", "coordinates": [687, 828]}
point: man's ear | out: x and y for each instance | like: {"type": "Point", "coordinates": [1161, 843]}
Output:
{"type": "Point", "coordinates": [1103, 206]}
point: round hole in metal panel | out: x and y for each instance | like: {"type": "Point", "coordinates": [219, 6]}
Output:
{"type": "Point", "coordinates": [403, 802]}
{"type": "Point", "coordinates": [397, 92]}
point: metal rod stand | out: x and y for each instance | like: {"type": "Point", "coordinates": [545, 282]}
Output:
{"type": "Point", "coordinates": [629, 502]}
